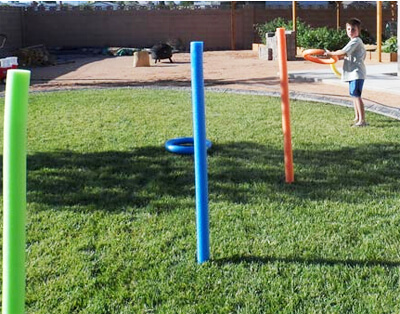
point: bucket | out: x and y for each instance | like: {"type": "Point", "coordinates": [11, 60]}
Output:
{"type": "Point", "coordinates": [13, 60]}
{"type": "Point", "coordinates": [4, 63]}
{"type": "Point", "coordinates": [10, 62]}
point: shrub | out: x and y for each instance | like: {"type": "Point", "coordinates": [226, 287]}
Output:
{"type": "Point", "coordinates": [323, 38]}
{"type": "Point", "coordinates": [271, 26]}
{"type": "Point", "coordinates": [390, 45]}
{"type": "Point", "coordinates": [263, 29]}
{"type": "Point", "coordinates": [367, 38]}
{"type": "Point", "coordinates": [308, 37]}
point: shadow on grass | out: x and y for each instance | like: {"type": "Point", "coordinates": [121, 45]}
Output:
{"type": "Point", "coordinates": [156, 180]}
{"type": "Point", "coordinates": [110, 181]}
{"type": "Point", "coordinates": [237, 259]}
{"type": "Point", "coordinates": [342, 175]}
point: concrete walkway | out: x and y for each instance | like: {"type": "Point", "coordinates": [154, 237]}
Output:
{"type": "Point", "coordinates": [381, 78]}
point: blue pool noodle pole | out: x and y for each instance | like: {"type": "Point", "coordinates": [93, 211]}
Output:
{"type": "Point", "coordinates": [200, 152]}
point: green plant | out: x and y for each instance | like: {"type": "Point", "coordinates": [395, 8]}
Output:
{"type": "Point", "coordinates": [271, 26]}
{"type": "Point", "coordinates": [262, 29]}
{"type": "Point", "coordinates": [367, 38]}
{"type": "Point", "coordinates": [307, 37]}
{"type": "Point", "coordinates": [322, 38]}
{"type": "Point", "coordinates": [390, 45]}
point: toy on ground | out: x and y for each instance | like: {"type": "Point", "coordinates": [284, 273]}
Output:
{"type": "Point", "coordinates": [183, 145]}
{"type": "Point", "coordinates": [14, 191]}
{"type": "Point", "coordinates": [200, 152]}
{"type": "Point", "coordinates": [313, 55]}
{"type": "Point", "coordinates": [285, 105]}
{"type": "Point", "coordinates": [197, 145]}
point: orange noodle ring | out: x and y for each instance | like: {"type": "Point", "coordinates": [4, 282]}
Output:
{"type": "Point", "coordinates": [309, 55]}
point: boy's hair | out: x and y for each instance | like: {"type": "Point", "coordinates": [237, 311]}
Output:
{"type": "Point", "coordinates": [354, 22]}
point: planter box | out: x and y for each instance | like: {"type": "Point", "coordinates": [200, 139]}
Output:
{"type": "Point", "coordinates": [270, 50]}
{"type": "Point", "coordinates": [391, 56]}
{"type": "Point", "coordinates": [255, 46]}
{"type": "Point", "coordinates": [264, 52]}
{"type": "Point", "coordinates": [385, 56]}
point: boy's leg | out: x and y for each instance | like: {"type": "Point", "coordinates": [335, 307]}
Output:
{"type": "Point", "coordinates": [359, 104]}
{"type": "Point", "coordinates": [356, 115]}
{"type": "Point", "coordinates": [355, 89]}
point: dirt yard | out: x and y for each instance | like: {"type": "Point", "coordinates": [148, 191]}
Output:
{"type": "Point", "coordinates": [225, 69]}
{"type": "Point", "coordinates": [222, 69]}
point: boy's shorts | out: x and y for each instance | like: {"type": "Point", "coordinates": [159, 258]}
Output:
{"type": "Point", "coordinates": [355, 87]}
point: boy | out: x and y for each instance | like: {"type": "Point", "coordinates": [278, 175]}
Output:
{"type": "Point", "coordinates": [354, 70]}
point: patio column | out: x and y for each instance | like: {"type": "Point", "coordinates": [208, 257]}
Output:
{"type": "Point", "coordinates": [379, 30]}
{"type": "Point", "coordinates": [294, 17]}
{"type": "Point", "coordinates": [338, 5]}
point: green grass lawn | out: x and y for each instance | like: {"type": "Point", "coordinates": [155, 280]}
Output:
{"type": "Point", "coordinates": [111, 214]}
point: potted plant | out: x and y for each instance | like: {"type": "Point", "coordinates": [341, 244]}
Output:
{"type": "Point", "coordinates": [390, 47]}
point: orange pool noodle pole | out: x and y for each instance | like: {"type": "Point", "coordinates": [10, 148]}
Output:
{"type": "Point", "coordinates": [287, 136]}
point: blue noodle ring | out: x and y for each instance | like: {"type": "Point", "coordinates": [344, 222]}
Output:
{"type": "Point", "coordinates": [183, 145]}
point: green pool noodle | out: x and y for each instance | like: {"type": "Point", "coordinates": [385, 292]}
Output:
{"type": "Point", "coordinates": [14, 190]}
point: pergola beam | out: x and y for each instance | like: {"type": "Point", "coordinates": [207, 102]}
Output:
{"type": "Point", "coordinates": [294, 17]}
{"type": "Point", "coordinates": [338, 7]}
{"type": "Point", "coordinates": [379, 30]}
